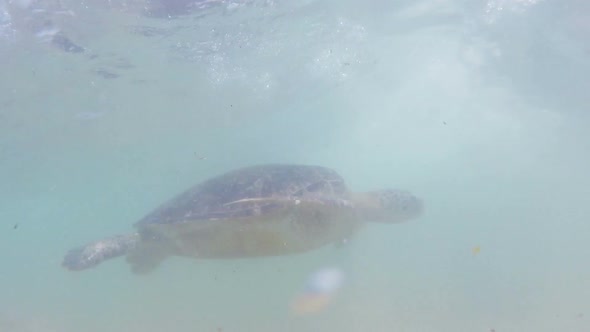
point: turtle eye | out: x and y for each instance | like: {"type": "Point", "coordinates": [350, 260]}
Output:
{"type": "Point", "coordinates": [388, 199]}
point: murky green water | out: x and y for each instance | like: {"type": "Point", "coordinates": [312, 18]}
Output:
{"type": "Point", "coordinates": [480, 110]}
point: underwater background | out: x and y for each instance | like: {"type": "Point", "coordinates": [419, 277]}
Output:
{"type": "Point", "coordinates": [480, 108]}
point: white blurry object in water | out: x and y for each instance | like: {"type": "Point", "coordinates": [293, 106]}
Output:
{"type": "Point", "coordinates": [318, 292]}
{"type": "Point", "coordinates": [5, 22]}
{"type": "Point", "coordinates": [90, 115]}
{"type": "Point", "coordinates": [270, 56]}
{"type": "Point", "coordinates": [326, 280]}
{"type": "Point", "coordinates": [495, 8]}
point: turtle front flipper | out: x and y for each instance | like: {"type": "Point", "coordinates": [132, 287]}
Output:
{"type": "Point", "coordinates": [92, 254]}
{"type": "Point", "coordinates": [147, 256]}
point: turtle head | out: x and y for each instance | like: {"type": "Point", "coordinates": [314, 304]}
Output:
{"type": "Point", "coordinates": [388, 205]}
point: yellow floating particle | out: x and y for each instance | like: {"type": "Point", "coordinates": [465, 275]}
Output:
{"type": "Point", "coordinates": [475, 250]}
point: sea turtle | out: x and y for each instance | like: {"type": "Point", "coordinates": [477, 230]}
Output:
{"type": "Point", "coordinates": [262, 210]}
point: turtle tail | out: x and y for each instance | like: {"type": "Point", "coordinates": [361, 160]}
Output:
{"type": "Point", "coordinates": [94, 253]}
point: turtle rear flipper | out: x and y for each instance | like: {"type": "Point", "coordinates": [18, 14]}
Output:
{"type": "Point", "coordinates": [146, 257]}
{"type": "Point", "coordinates": [92, 254]}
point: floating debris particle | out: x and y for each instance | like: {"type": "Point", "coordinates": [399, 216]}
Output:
{"type": "Point", "coordinates": [90, 115]}
{"type": "Point", "coordinates": [200, 157]}
{"type": "Point", "coordinates": [65, 44]}
{"type": "Point", "coordinates": [106, 74]}
{"type": "Point", "coordinates": [475, 250]}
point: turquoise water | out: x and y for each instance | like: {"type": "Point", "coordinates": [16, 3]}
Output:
{"type": "Point", "coordinates": [479, 109]}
